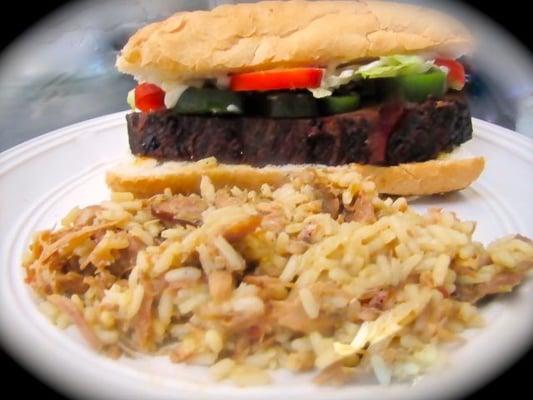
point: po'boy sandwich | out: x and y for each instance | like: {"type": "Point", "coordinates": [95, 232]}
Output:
{"type": "Point", "coordinates": [249, 93]}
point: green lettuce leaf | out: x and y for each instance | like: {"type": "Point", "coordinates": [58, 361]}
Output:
{"type": "Point", "coordinates": [392, 66]}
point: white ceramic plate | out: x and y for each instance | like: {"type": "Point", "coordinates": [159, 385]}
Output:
{"type": "Point", "coordinates": [44, 178]}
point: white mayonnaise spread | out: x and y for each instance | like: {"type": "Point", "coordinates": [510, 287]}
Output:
{"type": "Point", "coordinates": [333, 78]}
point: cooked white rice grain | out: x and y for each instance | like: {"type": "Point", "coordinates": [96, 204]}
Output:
{"type": "Point", "coordinates": [165, 306]}
{"type": "Point", "coordinates": [339, 275]}
{"type": "Point", "coordinates": [183, 274]}
{"type": "Point", "coordinates": [427, 356]}
{"type": "Point", "coordinates": [193, 302]}
{"type": "Point", "coordinates": [381, 370]}
{"type": "Point", "coordinates": [206, 259]}
{"type": "Point", "coordinates": [143, 235]}
{"type": "Point", "coordinates": [290, 270]}
{"type": "Point", "coordinates": [63, 321]}
{"type": "Point", "coordinates": [214, 341]}
{"type": "Point", "coordinates": [261, 359]}
{"type": "Point", "coordinates": [388, 236]}
{"type": "Point", "coordinates": [49, 310]}
{"type": "Point", "coordinates": [76, 300]}
{"type": "Point", "coordinates": [503, 257]}
{"type": "Point", "coordinates": [249, 376]}
{"type": "Point", "coordinates": [207, 189]}
{"type": "Point", "coordinates": [400, 204]}
{"type": "Point", "coordinates": [406, 370]}
{"type": "Point", "coordinates": [466, 252]}
{"type": "Point", "coordinates": [441, 269]}
{"type": "Point", "coordinates": [282, 242]}
{"type": "Point", "coordinates": [301, 344]}
{"type": "Point", "coordinates": [410, 342]}
{"type": "Point", "coordinates": [174, 233]}
{"type": "Point", "coordinates": [233, 258]}
{"type": "Point", "coordinates": [135, 303]}
{"type": "Point", "coordinates": [248, 305]}
{"type": "Point", "coordinates": [309, 303]}
{"type": "Point", "coordinates": [309, 276]}
{"type": "Point", "coordinates": [222, 369]}
{"type": "Point", "coordinates": [107, 336]}
{"type": "Point", "coordinates": [166, 259]}
{"type": "Point", "coordinates": [71, 217]}
{"type": "Point", "coordinates": [106, 318]}
{"type": "Point", "coordinates": [154, 228]}
{"type": "Point", "coordinates": [91, 315]}
{"type": "Point", "coordinates": [142, 263]}
{"type": "Point", "coordinates": [204, 359]}
{"type": "Point", "coordinates": [179, 331]}
{"type": "Point", "coordinates": [266, 190]}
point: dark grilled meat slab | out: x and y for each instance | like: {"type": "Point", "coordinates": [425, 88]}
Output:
{"type": "Point", "coordinates": [389, 134]}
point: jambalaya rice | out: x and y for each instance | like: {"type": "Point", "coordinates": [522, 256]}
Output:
{"type": "Point", "coordinates": [319, 274]}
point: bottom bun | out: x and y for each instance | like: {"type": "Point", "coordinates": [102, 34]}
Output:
{"type": "Point", "coordinates": [146, 177]}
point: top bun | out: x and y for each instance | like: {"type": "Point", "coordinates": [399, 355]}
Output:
{"type": "Point", "coordinates": [277, 34]}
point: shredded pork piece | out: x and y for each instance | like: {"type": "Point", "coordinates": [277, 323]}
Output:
{"type": "Point", "coordinates": [501, 283]}
{"type": "Point", "coordinates": [183, 210]}
{"type": "Point", "coordinates": [291, 314]}
{"type": "Point", "coordinates": [143, 321]}
{"type": "Point", "coordinates": [181, 353]}
{"type": "Point", "coordinates": [70, 240]}
{"type": "Point", "coordinates": [379, 299]}
{"type": "Point", "coordinates": [241, 228]}
{"type": "Point", "coordinates": [336, 374]}
{"type": "Point", "coordinates": [331, 204]}
{"type": "Point", "coordinates": [71, 283]}
{"type": "Point", "coordinates": [66, 306]}
{"type": "Point", "coordinates": [308, 233]}
{"type": "Point", "coordinates": [361, 211]}
{"type": "Point", "coordinates": [271, 288]}
{"type": "Point", "coordinates": [274, 218]}
{"type": "Point", "coordinates": [125, 262]}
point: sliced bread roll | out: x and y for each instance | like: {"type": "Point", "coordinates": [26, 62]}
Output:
{"type": "Point", "coordinates": [146, 177]}
{"type": "Point", "coordinates": [279, 34]}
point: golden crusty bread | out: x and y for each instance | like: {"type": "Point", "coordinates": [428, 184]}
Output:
{"type": "Point", "coordinates": [272, 34]}
{"type": "Point", "coordinates": [146, 177]}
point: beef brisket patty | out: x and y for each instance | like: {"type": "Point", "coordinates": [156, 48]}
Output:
{"type": "Point", "coordinates": [383, 135]}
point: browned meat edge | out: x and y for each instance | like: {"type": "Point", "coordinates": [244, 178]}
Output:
{"type": "Point", "coordinates": [389, 134]}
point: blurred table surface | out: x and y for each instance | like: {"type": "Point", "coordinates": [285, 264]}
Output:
{"type": "Point", "coordinates": [62, 70]}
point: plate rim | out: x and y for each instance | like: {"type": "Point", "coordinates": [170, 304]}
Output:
{"type": "Point", "coordinates": [74, 130]}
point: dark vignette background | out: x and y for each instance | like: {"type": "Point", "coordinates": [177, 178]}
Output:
{"type": "Point", "coordinates": [513, 15]}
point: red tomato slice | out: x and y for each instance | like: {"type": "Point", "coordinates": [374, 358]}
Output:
{"type": "Point", "coordinates": [456, 72]}
{"type": "Point", "coordinates": [277, 79]}
{"type": "Point", "coordinates": [149, 97]}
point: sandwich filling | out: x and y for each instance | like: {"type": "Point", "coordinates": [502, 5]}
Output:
{"type": "Point", "coordinates": [391, 110]}
{"type": "Point", "coordinates": [340, 88]}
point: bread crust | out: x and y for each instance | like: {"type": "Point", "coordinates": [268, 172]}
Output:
{"type": "Point", "coordinates": [145, 177]}
{"type": "Point", "coordinates": [424, 178]}
{"type": "Point", "coordinates": [273, 34]}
